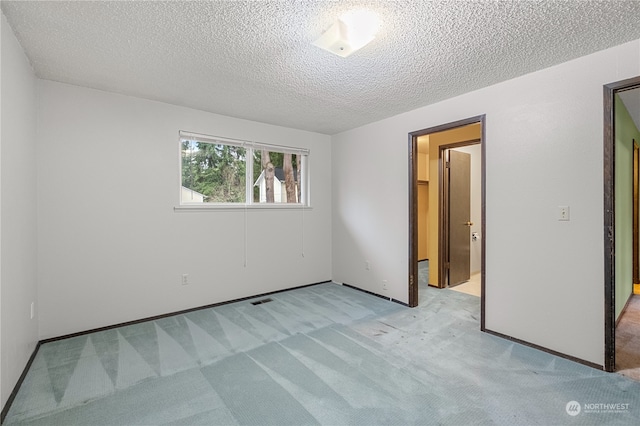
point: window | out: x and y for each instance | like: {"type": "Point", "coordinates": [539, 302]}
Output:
{"type": "Point", "coordinates": [231, 172]}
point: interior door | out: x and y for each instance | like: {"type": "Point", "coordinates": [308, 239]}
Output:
{"type": "Point", "coordinates": [636, 212]}
{"type": "Point", "coordinates": [459, 198]}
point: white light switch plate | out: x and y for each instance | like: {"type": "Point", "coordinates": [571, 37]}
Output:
{"type": "Point", "coordinates": [563, 213]}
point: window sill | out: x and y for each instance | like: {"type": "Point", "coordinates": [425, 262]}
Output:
{"type": "Point", "coordinates": [238, 207]}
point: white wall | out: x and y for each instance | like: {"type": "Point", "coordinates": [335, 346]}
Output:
{"type": "Point", "coordinates": [17, 211]}
{"type": "Point", "coordinates": [109, 257]}
{"type": "Point", "coordinates": [544, 144]}
{"type": "Point", "coordinates": [476, 203]}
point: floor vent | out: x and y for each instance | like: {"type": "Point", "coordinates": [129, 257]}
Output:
{"type": "Point", "coordinates": [260, 302]}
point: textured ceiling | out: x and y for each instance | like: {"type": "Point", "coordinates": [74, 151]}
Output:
{"type": "Point", "coordinates": [255, 59]}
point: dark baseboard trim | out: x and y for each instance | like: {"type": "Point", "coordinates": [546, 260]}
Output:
{"type": "Point", "coordinates": [7, 406]}
{"type": "Point", "coordinates": [547, 350]}
{"type": "Point", "coordinates": [626, 305]}
{"type": "Point", "coordinates": [185, 311]}
{"type": "Point", "coordinates": [376, 294]}
{"type": "Point", "coordinates": [16, 388]}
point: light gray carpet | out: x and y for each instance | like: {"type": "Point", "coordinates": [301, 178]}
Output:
{"type": "Point", "coordinates": [423, 272]}
{"type": "Point", "coordinates": [325, 354]}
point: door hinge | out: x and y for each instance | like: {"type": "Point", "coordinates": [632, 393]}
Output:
{"type": "Point", "coordinates": [411, 280]}
{"type": "Point", "coordinates": [446, 165]}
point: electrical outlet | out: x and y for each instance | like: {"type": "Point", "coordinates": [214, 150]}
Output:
{"type": "Point", "coordinates": [367, 265]}
{"type": "Point", "coordinates": [385, 285]}
{"type": "Point", "coordinates": [185, 279]}
{"type": "Point", "coordinates": [33, 310]}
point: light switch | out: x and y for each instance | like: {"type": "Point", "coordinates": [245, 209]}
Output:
{"type": "Point", "coordinates": [563, 213]}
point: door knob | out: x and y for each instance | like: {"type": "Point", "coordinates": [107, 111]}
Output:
{"type": "Point", "coordinates": [469, 223]}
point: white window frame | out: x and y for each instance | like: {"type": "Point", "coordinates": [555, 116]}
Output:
{"type": "Point", "coordinates": [250, 146]}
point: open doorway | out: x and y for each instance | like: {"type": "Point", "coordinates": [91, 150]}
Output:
{"type": "Point", "coordinates": [460, 136]}
{"type": "Point", "coordinates": [621, 219]}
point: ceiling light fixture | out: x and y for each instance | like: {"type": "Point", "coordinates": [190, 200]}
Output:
{"type": "Point", "coordinates": [350, 32]}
